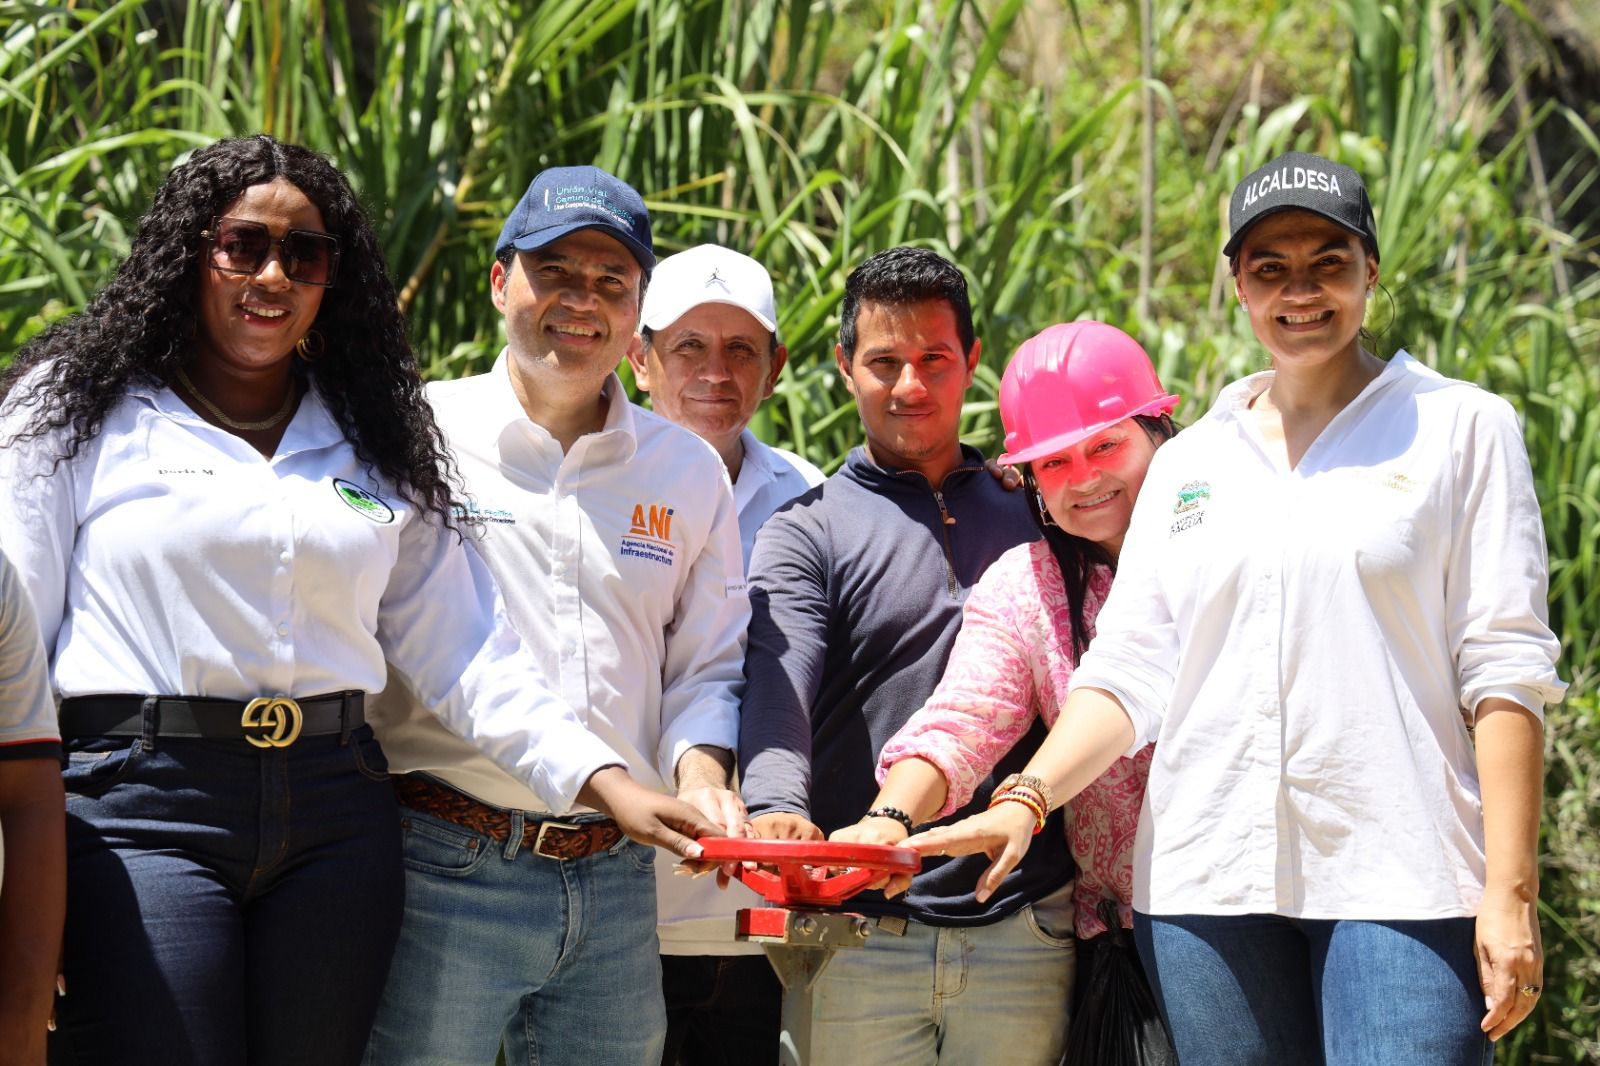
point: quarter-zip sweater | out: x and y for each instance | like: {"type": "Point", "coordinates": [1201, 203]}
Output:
{"type": "Point", "coordinates": [856, 590]}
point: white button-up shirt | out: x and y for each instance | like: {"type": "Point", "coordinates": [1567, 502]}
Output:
{"type": "Point", "coordinates": [27, 711]}
{"type": "Point", "coordinates": [171, 558]}
{"type": "Point", "coordinates": [696, 917]}
{"type": "Point", "coordinates": [1302, 645]}
{"type": "Point", "coordinates": [768, 478]}
{"type": "Point", "coordinates": [619, 562]}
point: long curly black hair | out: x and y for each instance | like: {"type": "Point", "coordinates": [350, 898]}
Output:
{"type": "Point", "coordinates": [1077, 556]}
{"type": "Point", "coordinates": [140, 328]}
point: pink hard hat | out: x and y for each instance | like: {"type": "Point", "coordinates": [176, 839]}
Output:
{"type": "Point", "coordinates": [1071, 381]}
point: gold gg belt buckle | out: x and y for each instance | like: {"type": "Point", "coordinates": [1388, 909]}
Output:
{"type": "Point", "coordinates": [278, 717]}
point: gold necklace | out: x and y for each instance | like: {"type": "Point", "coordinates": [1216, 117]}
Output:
{"type": "Point", "coordinates": [231, 423]}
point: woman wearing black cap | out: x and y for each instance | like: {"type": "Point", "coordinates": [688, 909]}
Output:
{"type": "Point", "coordinates": [1331, 614]}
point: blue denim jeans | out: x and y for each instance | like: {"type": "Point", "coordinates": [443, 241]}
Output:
{"type": "Point", "coordinates": [1249, 989]}
{"type": "Point", "coordinates": [226, 904]}
{"type": "Point", "coordinates": [952, 995]}
{"type": "Point", "coordinates": [555, 959]}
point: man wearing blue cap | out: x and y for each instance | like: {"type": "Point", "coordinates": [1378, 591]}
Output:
{"type": "Point", "coordinates": [613, 535]}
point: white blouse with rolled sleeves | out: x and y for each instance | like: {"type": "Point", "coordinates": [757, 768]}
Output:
{"type": "Point", "coordinates": [170, 557]}
{"type": "Point", "coordinates": [1308, 647]}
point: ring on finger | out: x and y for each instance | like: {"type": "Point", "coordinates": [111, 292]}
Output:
{"type": "Point", "coordinates": [1531, 991]}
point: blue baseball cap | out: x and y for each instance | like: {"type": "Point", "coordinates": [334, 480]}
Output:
{"type": "Point", "coordinates": [564, 200]}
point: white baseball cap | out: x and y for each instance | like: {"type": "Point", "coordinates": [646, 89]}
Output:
{"type": "Point", "coordinates": [708, 274]}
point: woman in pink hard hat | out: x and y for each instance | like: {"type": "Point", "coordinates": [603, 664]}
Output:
{"type": "Point", "coordinates": [1084, 414]}
{"type": "Point", "coordinates": [1330, 614]}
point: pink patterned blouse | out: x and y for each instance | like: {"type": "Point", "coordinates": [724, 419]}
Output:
{"type": "Point", "coordinates": [1011, 662]}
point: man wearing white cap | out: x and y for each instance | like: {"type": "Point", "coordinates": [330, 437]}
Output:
{"type": "Point", "coordinates": [710, 355]}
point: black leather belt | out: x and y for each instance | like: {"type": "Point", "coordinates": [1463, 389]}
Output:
{"type": "Point", "coordinates": [265, 722]}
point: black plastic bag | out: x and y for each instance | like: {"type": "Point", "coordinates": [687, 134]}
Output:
{"type": "Point", "coordinates": [1117, 1022]}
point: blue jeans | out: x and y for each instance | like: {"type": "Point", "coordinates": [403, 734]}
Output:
{"type": "Point", "coordinates": [226, 904]}
{"type": "Point", "coordinates": [1248, 989]}
{"type": "Point", "coordinates": [555, 959]}
{"type": "Point", "coordinates": [941, 994]}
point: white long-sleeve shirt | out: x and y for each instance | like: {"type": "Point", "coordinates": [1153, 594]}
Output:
{"type": "Point", "coordinates": [1308, 646]}
{"type": "Point", "coordinates": [27, 711]}
{"type": "Point", "coordinates": [620, 566]}
{"type": "Point", "coordinates": [170, 558]}
{"type": "Point", "coordinates": [768, 478]}
{"type": "Point", "coordinates": [696, 917]}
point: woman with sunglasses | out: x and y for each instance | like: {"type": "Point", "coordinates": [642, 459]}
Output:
{"type": "Point", "coordinates": [1330, 615]}
{"type": "Point", "coordinates": [228, 498]}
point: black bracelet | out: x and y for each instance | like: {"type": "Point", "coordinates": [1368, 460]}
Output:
{"type": "Point", "coordinates": [892, 812]}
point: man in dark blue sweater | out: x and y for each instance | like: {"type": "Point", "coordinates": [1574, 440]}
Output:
{"type": "Point", "coordinates": [856, 591]}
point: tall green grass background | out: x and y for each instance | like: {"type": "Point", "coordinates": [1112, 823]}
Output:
{"type": "Point", "coordinates": [812, 133]}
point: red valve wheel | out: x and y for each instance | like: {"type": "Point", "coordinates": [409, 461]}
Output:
{"type": "Point", "coordinates": [803, 867]}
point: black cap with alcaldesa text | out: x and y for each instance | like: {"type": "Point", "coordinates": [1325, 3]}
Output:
{"type": "Point", "coordinates": [1305, 182]}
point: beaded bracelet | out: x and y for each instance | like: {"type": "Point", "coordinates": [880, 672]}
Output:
{"type": "Point", "coordinates": [1038, 784]}
{"type": "Point", "coordinates": [1026, 790]}
{"type": "Point", "coordinates": [1024, 798]}
{"type": "Point", "coordinates": [892, 812]}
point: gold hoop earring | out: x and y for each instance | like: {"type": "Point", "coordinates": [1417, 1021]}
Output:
{"type": "Point", "coordinates": [310, 347]}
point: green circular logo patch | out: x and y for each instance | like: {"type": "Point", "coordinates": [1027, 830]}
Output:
{"type": "Point", "coordinates": [363, 502]}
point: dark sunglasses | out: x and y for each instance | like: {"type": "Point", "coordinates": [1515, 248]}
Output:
{"type": "Point", "coordinates": [239, 246]}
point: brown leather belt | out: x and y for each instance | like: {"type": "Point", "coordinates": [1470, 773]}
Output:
{"type": "Point", "coordinates": [543, 836]}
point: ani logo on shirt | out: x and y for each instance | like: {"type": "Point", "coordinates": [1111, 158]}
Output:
{"type": "Point", "coordinates": [363, 502]}
{"type": "Point", "coordinates": [649, 535]}
{"type": "Point", "coordinates": [1190, 499]}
